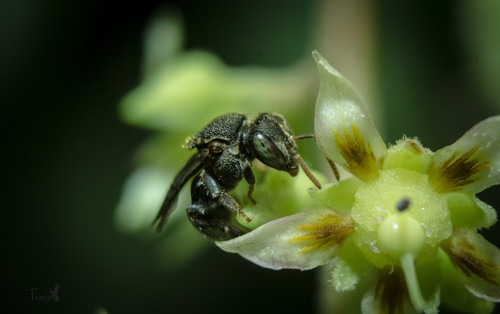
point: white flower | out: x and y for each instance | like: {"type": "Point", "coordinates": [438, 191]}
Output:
{"type": "Point", "coordinates": [405, 224]}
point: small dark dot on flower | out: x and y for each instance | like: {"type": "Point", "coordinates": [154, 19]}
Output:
{"type": "Point", "coordinates": [403, 204]}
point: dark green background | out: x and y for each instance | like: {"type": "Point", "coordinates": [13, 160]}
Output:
{"type": "Point", "coordinates": [65, 65]}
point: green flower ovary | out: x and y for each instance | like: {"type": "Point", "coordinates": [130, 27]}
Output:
{"type": "Point", "coordinates": [400, 212]}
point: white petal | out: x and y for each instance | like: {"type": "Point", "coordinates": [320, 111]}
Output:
{"type": "Point", "coordinates": [479, 261]}
{"type": "Point", "coordinates": [339, 107]}
{"type": "Point", "coordinates": [486, 137]}
{"type": "Point", "coordinates": [274, 244]}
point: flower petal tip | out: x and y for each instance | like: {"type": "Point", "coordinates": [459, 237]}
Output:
{"type": "Point", "coordinates": [323, 64]}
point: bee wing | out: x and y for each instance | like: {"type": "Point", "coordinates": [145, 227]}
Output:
{"type": "Point", "coordinates": [193, 166]}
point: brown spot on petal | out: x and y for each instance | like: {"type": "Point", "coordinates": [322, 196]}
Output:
{"type": "Point", "coordinates": [391, 291]}
{"type": "Point", "coordinates": [357, 153]}
{"type": "Point", "coordinates": [458, 171]}
{"type": "Point", "coordinates": [464, 255]}
{"type": "Point", "coordinates": [329, 231]}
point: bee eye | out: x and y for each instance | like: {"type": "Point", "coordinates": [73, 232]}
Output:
{"type": "Point", "coordinates": [267, 151]}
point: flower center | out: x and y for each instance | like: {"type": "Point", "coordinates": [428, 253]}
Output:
{"type": "Point", "coordinates": [397, 214]}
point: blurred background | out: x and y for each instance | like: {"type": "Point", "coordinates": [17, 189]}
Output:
{"type": "Point", "coordinates": [72, 76]}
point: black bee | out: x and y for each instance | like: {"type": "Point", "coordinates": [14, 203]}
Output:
{"type": "Point", "coordinates": [226, 147]}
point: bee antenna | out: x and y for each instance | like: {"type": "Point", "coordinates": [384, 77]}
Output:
{"type": "Point", "coordinates": [306, 170]}
{"type": "Point", "coordinates": [301, 162]}
{"type": "Point", "coordinates": [303, 136]}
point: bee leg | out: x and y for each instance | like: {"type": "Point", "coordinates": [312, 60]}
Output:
{"type": "Point", "coordinates": [211, 215]}
{"type": "Point", "coordinates": [216, 192]}
{"type": "Point", "coordinates": [250, 178]}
